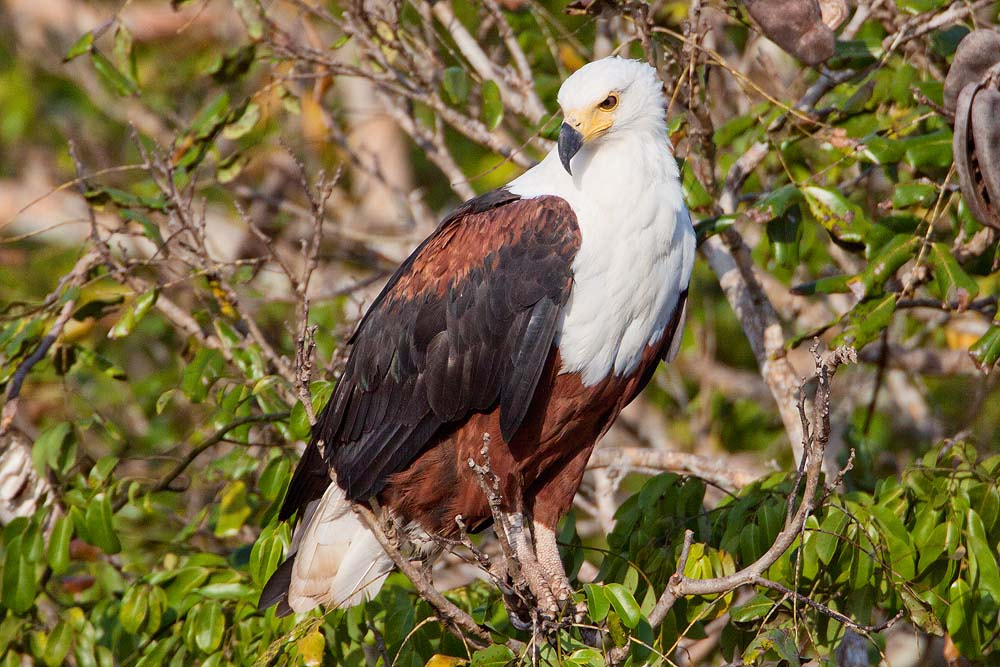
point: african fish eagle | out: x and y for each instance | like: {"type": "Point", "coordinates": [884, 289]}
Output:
{"type": "Point", "coordinates": [534, 314]}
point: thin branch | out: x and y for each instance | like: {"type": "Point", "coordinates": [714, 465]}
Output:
{"type": "Point", "coordinates": [76, 275]}
{"type": "Point", "coordinates": [455, 619]}
{"type": "Point", "coordinates": [717, 471]}
{"type": "Point", "coordinates": [215, 438]}
{"type": "Point", "coordinates": [730, 259]}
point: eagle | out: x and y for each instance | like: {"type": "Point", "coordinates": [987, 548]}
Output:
{"type": "Point", "coordinates": [532, 315]}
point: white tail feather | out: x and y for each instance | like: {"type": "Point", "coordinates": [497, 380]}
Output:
{"type": "Point", "coordinates": [338, 562]}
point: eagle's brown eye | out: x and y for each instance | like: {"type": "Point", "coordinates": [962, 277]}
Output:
{"type": "Point", "coordinates": [609, 103]}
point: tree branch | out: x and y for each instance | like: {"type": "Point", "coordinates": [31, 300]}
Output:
{"type": "Point", "coordinates": [717, 471]}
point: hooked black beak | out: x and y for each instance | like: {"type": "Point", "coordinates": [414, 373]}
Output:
{"type": "Point", "coordinates": [570, 141]}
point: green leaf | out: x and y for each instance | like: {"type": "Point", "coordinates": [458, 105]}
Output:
{"type": "Point", "coordinates": [99, 529]}
{"type": "Point", "coordinates": [624, 603]}
{"type": "Point", "coordinates": [829, 285]}
{"type": "Point", "coordinates": [122, 51]}
{"type": "Point", "coordinates": [960, 611]}
{"type": "Point", "coordinates": [880, 150]}
{"type": "Point", "coordinates": [201, 373]}
{"type": "Point", "coordinates": [921, 613]}
{"type": "Point", "coordinates": [785, 646]}
{"type": "Point", "coordinates": [492, 105]}
{"type": "Point", "coordinates": [233, 509]}
{"type": "Point", "coordinates": [266, 554]}
{"type": "Point", "coordinates": [777, 643]}
{"type": "Point", "coordinates": [827, 539]}
{"type": "Point", "coordinates": [102, 470]}
{"type": "Point", "coordinates": [19, 584]}
{"type": "Point", "coordinates": [984, 554]}
{"type": "Point", "coordinates": [229, 168]}
{"type": "Point", "coordinates": [211, 117]}
{"type": "Point", "coordinates": [866, 321]}
{"type": "Point", "coordinates": [244, 124]}
{"type": "Point", "coordinates": [777, 202]}
{"type": "Point", "coordinates": [616, 629]}
{"type": "Point", "coordinates": [275, 477]}
{"type": "Point", "coordinates": [845, 221]}
{"type": "Point", "coordinates": [134, 314]}
{"type": "Point", "coordinates": [80, 46]}
{"type": "Point", "coordinates": [920, 6]}
{"type": "Point", "coordinates": [758, 607]}
{"type": "Point", "coordinates": [57, 644]}
{"type": "Point", "coordinates": [210, 623]}
{"type": "Point", "coordinates": [298, 422]}
{"type": "Point", "coordinates": [456, 84]}
{"type": "Point", "coordinates": [902, 559]}
{"type": "Point", "coordinates": [55, 449]}
{"type": "Point", "coordinates": [112, 78]}
{"type": "Point", "coordinates": [494, 656]}
{"type": "Point", "coordinates": [952, 282]}
{"type": "Point", "coordinates": [157, 605]}
{"type": "Point", "coordinates": [598, 603]}
{"type": "Point", "coordinates": [57, 552]}
{"type": "Point", "coordinates": [909, 194]}
{"type": "Point", "coordinates": [10, 630]}
{"type": "Point", "coordinates": [695, 193]}
{"type": "Point", "coordinates": [986, 350]}
{"type": "Point", "coordinates": [712, 226]}
{"type": "Point", "coordinates": [929, 150]}
{"type": "Point", "coordinates": [226, 591]}
{"type": "Point", "coordinates": [135, 604]}
{"type": "Point", "coordinates": [894, 254]}
{"type": "Point", "coordinates": [250, 14]}
{"type": "Point", "coordinates": [785, 233]}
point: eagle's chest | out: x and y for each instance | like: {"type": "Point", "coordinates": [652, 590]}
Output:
{"type": "Point", "coordinates": [626, 281]}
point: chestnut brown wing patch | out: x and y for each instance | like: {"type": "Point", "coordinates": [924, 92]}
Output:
{"type": "Point", "coordinates": [465, 324]}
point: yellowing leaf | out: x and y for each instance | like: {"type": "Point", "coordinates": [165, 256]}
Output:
{"type": "Point", "coordinates": [438, 660]}
{"type": "Point", "coordinates": [311, 648]}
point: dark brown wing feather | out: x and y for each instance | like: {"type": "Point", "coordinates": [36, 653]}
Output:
{"type": "Point", "coordinates": [465, 324]}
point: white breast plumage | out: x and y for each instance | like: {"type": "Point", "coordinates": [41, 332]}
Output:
{"type": "Point", "coordinates": [636, 254]}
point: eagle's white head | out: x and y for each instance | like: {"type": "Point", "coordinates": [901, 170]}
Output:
{"type": "Point", "coordinates": [605, 98]}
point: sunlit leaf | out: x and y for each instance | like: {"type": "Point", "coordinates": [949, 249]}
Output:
{"type": "Point", "coordinates": [110, 75]}
{"type": "Point", "coordinates": [492, 105]}
{"type": "Point", "coordinates": [844, 220]}
{"type": "Point", "coordinates": [80, 46]}
{"type": "Point", "coordinates": [456, 84]}
{"type": "Point", "coordinates": [134, 313]}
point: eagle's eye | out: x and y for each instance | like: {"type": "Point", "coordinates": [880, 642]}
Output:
{"type": "Point", "coordinates": [609, 103]}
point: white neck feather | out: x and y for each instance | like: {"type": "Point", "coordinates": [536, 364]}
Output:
{"type": "Point", "coordinates": [637, 247]}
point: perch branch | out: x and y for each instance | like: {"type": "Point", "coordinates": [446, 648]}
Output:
{"type": "Point", "coordinates": [457, 621]}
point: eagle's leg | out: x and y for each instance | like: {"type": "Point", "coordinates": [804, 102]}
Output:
{"type": "Point", "coordinates": [551, 502]}
{"type": "Point", "coordinates": [547, 551]}
{"type": "Point", "coordinates": [521, 542]}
